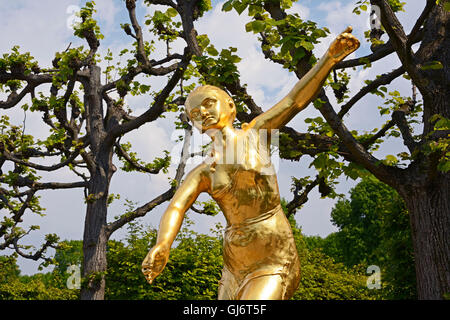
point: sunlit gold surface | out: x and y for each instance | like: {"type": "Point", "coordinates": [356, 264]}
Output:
{"type": "Point", "coordinates": [260, 256]}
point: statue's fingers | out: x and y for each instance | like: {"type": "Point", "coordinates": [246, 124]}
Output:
{"type": "Point", "coordinates": [147, 265]}
{"type": "Point", "coordinates": [348, 37]}
{"type": "Point", "coordinates": [149, 279]}
{"type": "Point", "coordinates": [354, 42]}
{"type": "Point", "coordinates": [147, 269]}
{"type": "Point", "coordinates": [146, 273]}
{"type": "Point", "coordinates": [149, 276]}
{"type": "Point", "coordinates": [349, 29]}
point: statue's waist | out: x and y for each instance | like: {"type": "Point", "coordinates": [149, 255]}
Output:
{"type": "Point", "coordinates": [265, 241]}
{"type": "Point", "coordinates": [249, 222]}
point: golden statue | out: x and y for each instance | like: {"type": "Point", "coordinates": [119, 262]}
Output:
{"type": "Point", "coordinates": [260, 256]}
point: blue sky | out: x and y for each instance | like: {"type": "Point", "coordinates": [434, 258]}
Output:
{"type": "Point", "coordinates": [41, 28]}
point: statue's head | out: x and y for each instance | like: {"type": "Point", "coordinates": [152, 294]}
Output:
{"type": "Point", "coordinates": [210, 107]}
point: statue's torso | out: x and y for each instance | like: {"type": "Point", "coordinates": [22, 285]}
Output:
{"type": "Point", "coordinates": [243, 182]}
{"type": "Point", "coordinates": [258, 239]}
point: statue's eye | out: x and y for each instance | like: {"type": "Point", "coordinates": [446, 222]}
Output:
{"type": "Point", "coordinates": [209, 102]}
{"type": "Point", "coordinates": [195, 113]}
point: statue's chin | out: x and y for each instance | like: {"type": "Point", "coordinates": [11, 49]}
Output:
{"type": "Point", "coordinates": [209, 125]}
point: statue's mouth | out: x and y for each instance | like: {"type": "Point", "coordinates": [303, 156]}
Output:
{"type": "Point", "coordinates": [207, 119]}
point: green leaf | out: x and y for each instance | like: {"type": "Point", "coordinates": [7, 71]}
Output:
{"type": "Point", "coordinates": [318, 103]}
{"type": "Point", "coordinates": [258, 26]}
{"type": "Point", "coordinates": [384, 111]}
{"type": "Point", "coordinates": [249, 26]}
{"type": "Point", "coordinates": [442, 124]}
{"type": "Point", "coordinates": [320, 161]}
{"type": "Point", "coordinates": [447, 6]}
{"type": "Point", "coordinates": [307, 45]}
{"type": "Point", "coordinates": [432, 65]}
{"type": "Point", "coordinates": [444, 166]}
{"type": "Point", "coordinates": [299, 53]}
{"type": "Point", "coordinates": [239, 7]}
{"type": "Point", "coordinates": [171, 12]}
{"type": "Point", "coordinates": [212, 51]}
{"type": "Point", "coordinates": [406, 76]}
{"type": "Point", "coordinates": [254, 9]}
{"type": "Point", "coordinates": [227, 6]}
{"type": "Point", "coordinates": [320, 33]}
{"type": "Point", "coordinates": [203, 40]}
{"type": "Point", "coordinates": [390, 159]}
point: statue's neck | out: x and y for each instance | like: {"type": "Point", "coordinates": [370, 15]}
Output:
{"type": "Point", "coordinates": [223, 136]}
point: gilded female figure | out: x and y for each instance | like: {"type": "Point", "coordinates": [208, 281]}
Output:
{"type": "Point", "coordinates": [260, 256]}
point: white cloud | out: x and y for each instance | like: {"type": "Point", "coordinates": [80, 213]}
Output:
{"type": "Point", "coordinates": [339, 16]}
{"type": "Point", "coordinates": [36, 26]}
{"type": "Point", "coordinates": [301, 9]}
{"type": "Point", "coordinates": [107, 11]}
{"type": "Point", "coordinates": [265, 79]}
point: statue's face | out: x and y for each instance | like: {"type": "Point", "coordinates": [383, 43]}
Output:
{"type": "Point", "coordinates": [210, 109]}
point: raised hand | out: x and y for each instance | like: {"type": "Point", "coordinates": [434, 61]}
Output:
{"type": "Point", "coordinates": [155, 261]}
{"type": "Point", "coordinates": [343, 45]}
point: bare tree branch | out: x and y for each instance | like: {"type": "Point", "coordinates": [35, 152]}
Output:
{"type": "Point", "coordinates": [392, 25]}
{"type": "Point", "coordinates": [399, 41]}
{"type": "Point", "coordinates": [382, 51]}
{"type": "Point", "coordinates": [381, 80]}
{"type": "Point", "coordinates": [14, 98]}
{"type": "Point", "coordinates": [399, 118]}
{"type": "Point", "coordinates": [143, 210]}
{"type": "Point", "coordinates": [201, 211]}
{"type": "Point", "coordinates": [158, 106]}
{"type": "Point", "coordinates": [36, 166]}
{"type": "Point", "coordinates": [186, 11]}
{"type": "Point", "coordinates": [419, 23]}
{"type": "Point", "coordinates": [300, 198]}
{"type": "Point", "coordinates": [33, 79]}
{"type": "Point", "coordinates": [39, 254]}
{"type": "Point", "coordinates": [357, 150]}
{"type": "Point", "coordinates": [367, 143]}
{"type": "Point", "coordinates": [35, 185]}
{"type": "Point", "coordinates": [122, 153]}
{"type": "Point", "coordinates": [163, 2]}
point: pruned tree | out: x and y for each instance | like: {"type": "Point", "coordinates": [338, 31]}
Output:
{"type": "Point", "coordinates": [85, 131]}
{"type": "Point", "coordinates": [420, 175]}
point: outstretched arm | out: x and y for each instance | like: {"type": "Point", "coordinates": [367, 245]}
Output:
{"type": "Point", "coordinates": [307, 88]}
{"type": "Point", "coordinates": [171, 221]}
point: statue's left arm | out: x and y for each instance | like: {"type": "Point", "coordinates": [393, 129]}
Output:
{"type": "Point", "coordinates": [307, 88]}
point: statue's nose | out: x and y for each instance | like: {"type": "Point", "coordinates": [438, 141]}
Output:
{"type": "Point", "coordinates": [203, 111]}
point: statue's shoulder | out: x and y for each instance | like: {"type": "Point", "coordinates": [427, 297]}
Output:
{"type": "Point", "coordinates": [201, 174]}
{"type": "Point", "coordinates": [201, 171]}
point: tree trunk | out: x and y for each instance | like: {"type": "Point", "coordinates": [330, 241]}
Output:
{"type": "Point", "coordinates": [429, 209]}
{"type": "Point", "coordinates": [424, 188]}
{"type": "Point", "coordinates": [95, 238]}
